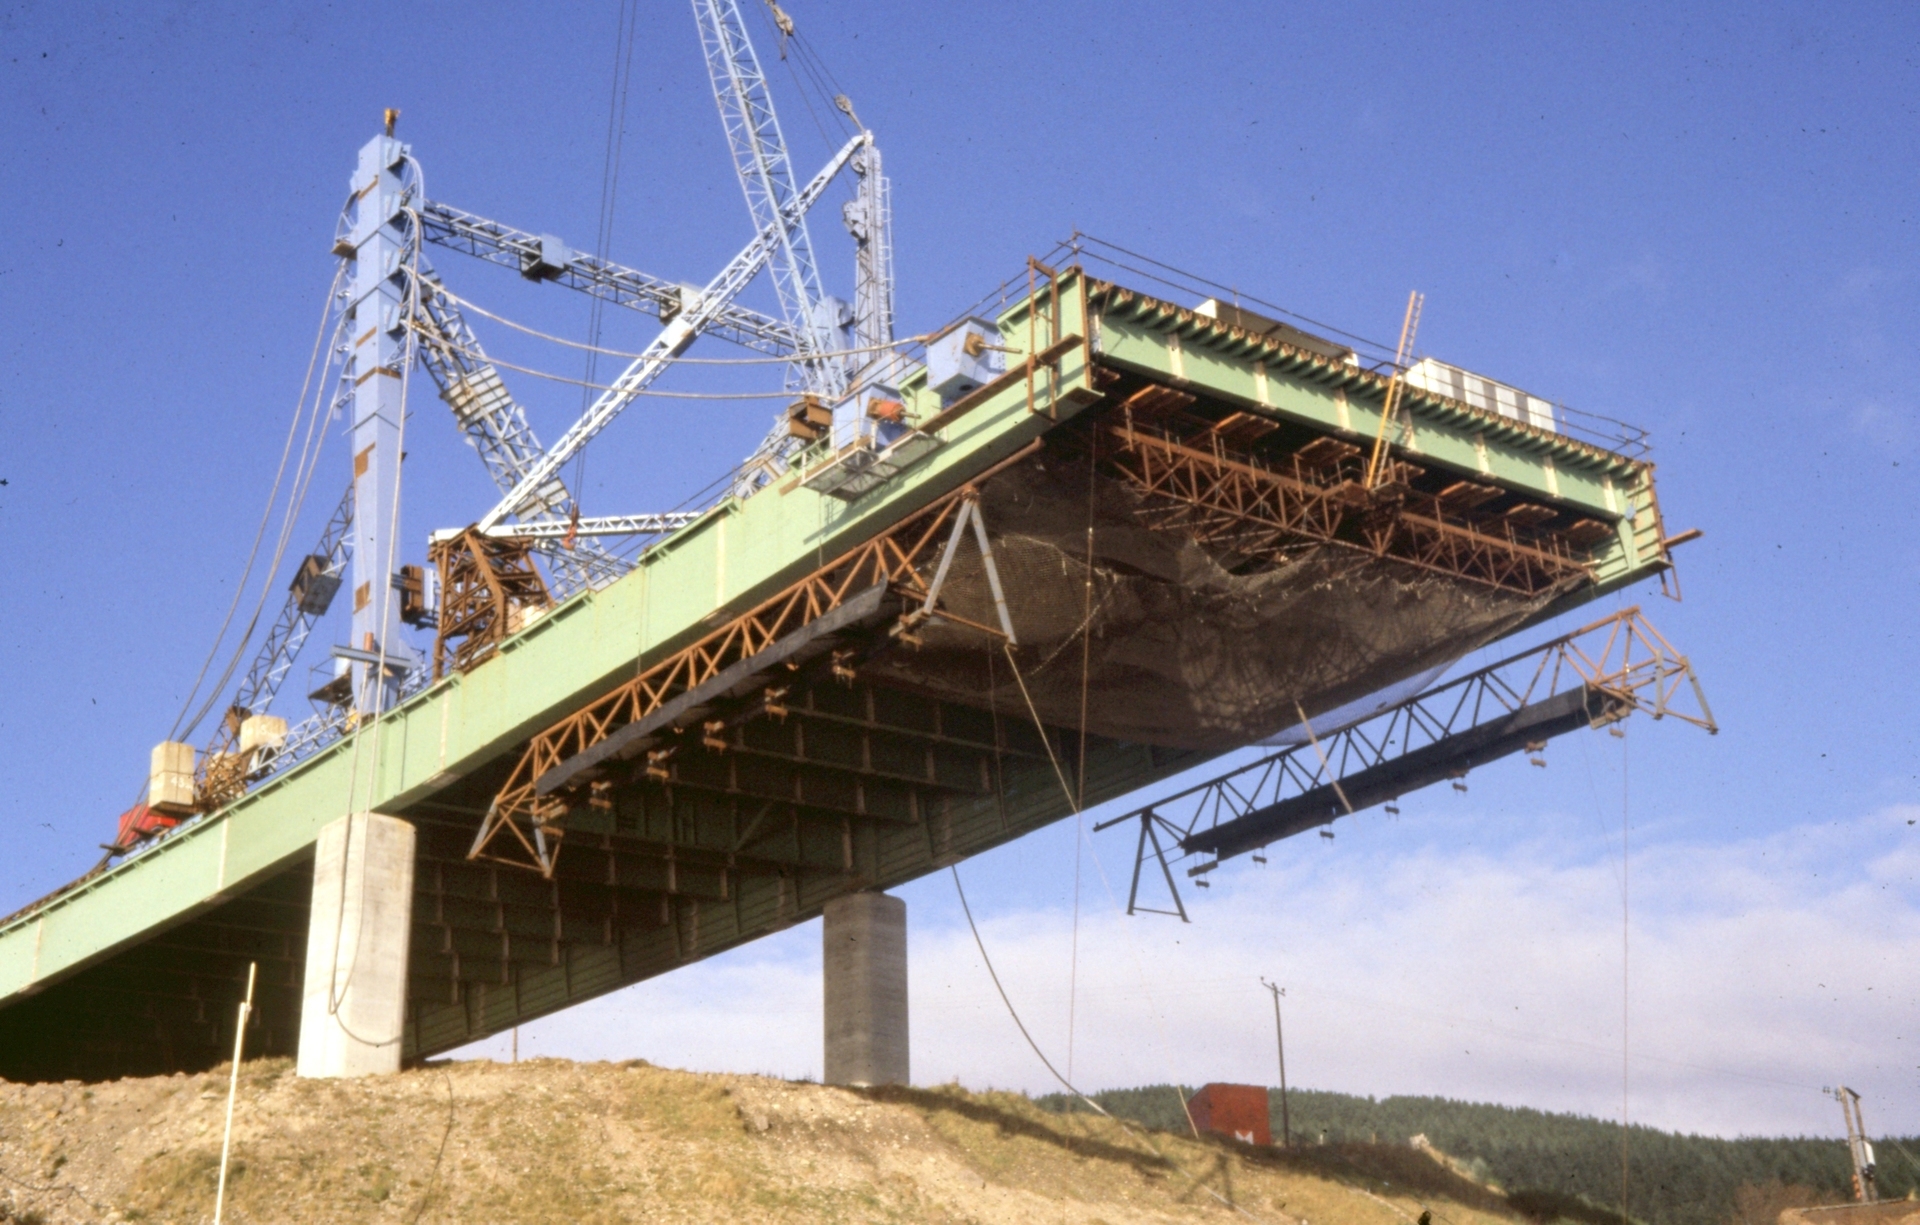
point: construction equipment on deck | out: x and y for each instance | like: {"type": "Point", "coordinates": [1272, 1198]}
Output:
{"type": "Point", "coordinates": [495, 588]}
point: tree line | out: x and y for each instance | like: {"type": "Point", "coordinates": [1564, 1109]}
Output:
{"type": "Point", "coordinates": [1533, 1155]}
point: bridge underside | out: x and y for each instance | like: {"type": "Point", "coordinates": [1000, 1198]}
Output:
{"type": "Point", "coordinates": [1184, 575]}
{"type": "Point", "coordinates": [859, 786]}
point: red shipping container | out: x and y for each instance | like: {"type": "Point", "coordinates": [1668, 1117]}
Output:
{"type": "Point", "coordinates": [1237, 1111]}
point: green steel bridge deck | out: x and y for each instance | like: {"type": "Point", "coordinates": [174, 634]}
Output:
{"type": "Point", "coordinates": [135, 970]}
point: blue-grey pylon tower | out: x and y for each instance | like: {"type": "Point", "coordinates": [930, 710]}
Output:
{"type": "Point", "coordinates": [379, 236]}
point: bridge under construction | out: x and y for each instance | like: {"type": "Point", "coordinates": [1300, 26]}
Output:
{"type": "Point", "coordinates": [1064, 547]}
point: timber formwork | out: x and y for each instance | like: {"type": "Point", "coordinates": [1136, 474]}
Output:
{"type": "Point", "coordinates": [902, 747]}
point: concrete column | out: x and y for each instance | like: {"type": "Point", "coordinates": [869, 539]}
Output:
{"type": "Point", "coordinates": [865, 963]}
{"type": "Point", "coordinates": [355, 1002]}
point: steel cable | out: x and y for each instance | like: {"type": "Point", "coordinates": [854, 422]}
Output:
{"type": "Point", "coordinates": [476, 308]}
{"type": "Point", "coordinates": [649, 393]}
{"type": "Point", "coordinates": [266, 514]}
{"type": "Point", "coordinates": [1123, 1124]}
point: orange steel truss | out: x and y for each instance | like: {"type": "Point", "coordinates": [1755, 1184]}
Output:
{"type": "Point", "coordinates": [488, 587]}
{"type": "Point", "coordinates": [1195, 478]}
{"type": "Point", "coordinates": [1624, 657]}
{"type": "Point", "coordinates": [530, 826]}
{"type": "Point", "coordinates": [1196, 481]}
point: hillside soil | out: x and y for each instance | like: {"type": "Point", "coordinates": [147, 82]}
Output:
{"type": "Point", "coordinates": [554, 1141]}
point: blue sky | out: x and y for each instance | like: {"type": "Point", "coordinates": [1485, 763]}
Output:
{"type": "Point", "coordinates": [1700, 219]}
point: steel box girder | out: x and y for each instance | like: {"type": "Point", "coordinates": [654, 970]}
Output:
{"type": "Point", "coordinates": [834, 857]}
{"type": "Point", "coordinates": [737, 556]}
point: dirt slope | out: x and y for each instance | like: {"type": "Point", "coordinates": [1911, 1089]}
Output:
{"type": "Point", "coordinates": [553, 1141]}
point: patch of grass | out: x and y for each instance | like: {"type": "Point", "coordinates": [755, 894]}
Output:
{"type": "Point", "coordinates": [176, 1183]}
{"type": "Point", "coordinates": [377, 1181]}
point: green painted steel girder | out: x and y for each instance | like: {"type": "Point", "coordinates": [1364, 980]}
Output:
{"type": "Point", "coordinates": [743, 552]}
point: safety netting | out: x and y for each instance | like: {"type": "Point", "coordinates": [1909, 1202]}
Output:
{"type": "Point", "coordinates": [1164, 640]}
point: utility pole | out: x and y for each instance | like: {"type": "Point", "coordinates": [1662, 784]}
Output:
{"type": "Point", "coordinates": [1280, 1039]}
{"type": "Point", "coordinates": [1861, 1151]}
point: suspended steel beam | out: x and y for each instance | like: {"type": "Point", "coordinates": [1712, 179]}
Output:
{"type": "Point", "coordinates": [1448, 758]}
{"type": "Point", "coordinates": [1593, 677]}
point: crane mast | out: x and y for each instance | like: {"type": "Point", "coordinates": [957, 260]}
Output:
{"type": "Point", "coordinates": [308, 598]}
{"type": "Point", "coordinates": [766, 179]}
{"type": "Point", "coordinates": [869, 218]}
{"type": "Point", "coordinates": [393, 309]}
{"type": "Point", "coordinates": [381, 241]}
{"type": "Point", "coordinates": [822, 324]}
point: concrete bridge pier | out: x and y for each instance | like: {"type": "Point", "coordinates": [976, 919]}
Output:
{"type": "Point", "coordinates": [864, 958]}
{"type": "Point", "coordinates": [353, 1009]}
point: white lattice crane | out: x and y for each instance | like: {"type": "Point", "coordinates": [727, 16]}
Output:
{"type": "Point", "coordinates": [393, 308]}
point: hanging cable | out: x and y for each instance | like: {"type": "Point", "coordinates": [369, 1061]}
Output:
{"type": "Point", "coordinates": [649, 393]}
{"type": "Point", "coordinates": [818, 66]}
{"type": "Point", "coordinates": [609, 194]}
{"type": "Point", "coordinates": [1047, 741]}
{"type": "Point", "coordinates": [1626, 929]}
{"type": "Point", "coordinates": [477, 309]}
{"type": "Point", "coordinates": [1066, 1084]}
{"type": "Point", "coordinates": [303, 476]}
{"type": "Point", "coordinates": [1011, 1011]}
{"type": "Point", "coordinates": [298, 499]}
{"type": "Point", "coordinates": [266, 514]}
{"type": "Point", "coordinates": [1080, 799]}
{"type": "Point", "coordinates": [782, 26]}
{"type": "Point", "coordinates": [1066, 788]}
{"type": "Point", "coordinates": [978, 943]}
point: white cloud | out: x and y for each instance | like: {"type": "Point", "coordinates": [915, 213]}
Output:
{"type": "Point", "coordinates": [1461, 956]}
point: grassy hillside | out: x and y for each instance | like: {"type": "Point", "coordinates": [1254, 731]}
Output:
{"type": "Point", "coordinates": [554, 1141]}
{"type": "Point", "coordinates": [1673, 1179]}
{"type": "Point", "coordinates": [547, 1142]}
